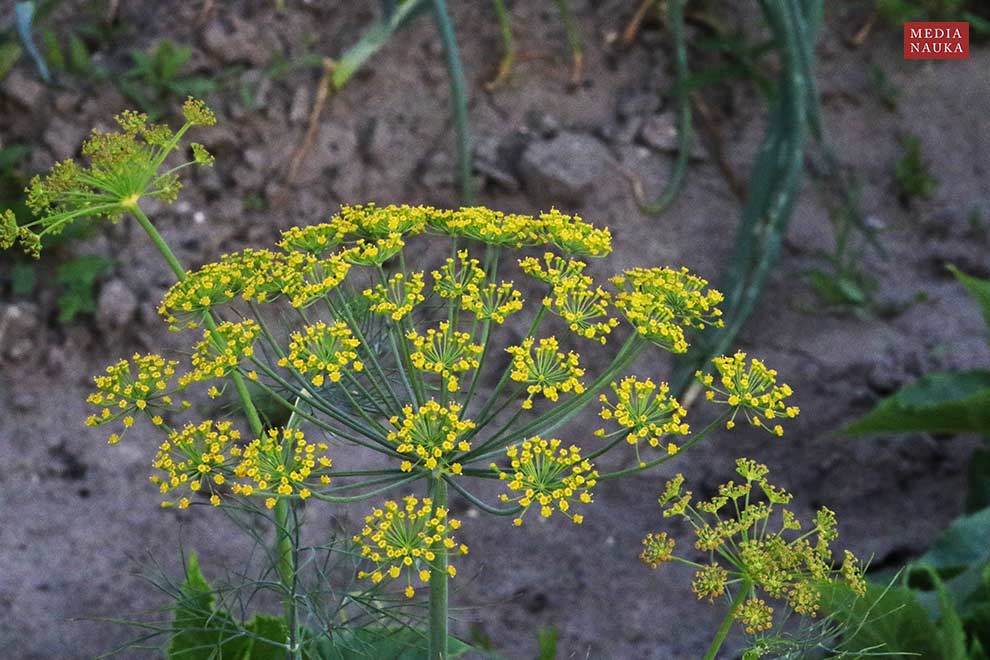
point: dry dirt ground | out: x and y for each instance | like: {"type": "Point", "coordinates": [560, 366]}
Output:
{"type": "Point", "coordinates": [77, 517]}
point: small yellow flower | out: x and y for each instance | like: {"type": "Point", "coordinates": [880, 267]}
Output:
{"type": "Point", "coordinates": [141, 384]}
{"type": "Point", "coordinates": [322, 351]}
{"type": "Point", "coordinates": [661, 302]}
{"type": "Point", "coordinates": [403, 537]}
{"type": "Point", "coordinates": [398, 298]}
{"type": "Point", "coordinates": [222, 350]}
{"type": "Point", "coordinates": [544, 474]}
{"type": "Point", "coordinates": [648, 411]}
{"type": "Point", "coordinates": [431, 436]}
{"type": "Point", "coordinates": [546, 370]}
{"type": "Point", "coordinates": [191, 455]}
{"type": "Point", "coordinates": [280, 464]}
{"type": "Point", "coordinates": [492, 302]}
{"type": "Point", "coordinates": [444, 352]}
{"type": "Point", "coordinates": [753, 390]}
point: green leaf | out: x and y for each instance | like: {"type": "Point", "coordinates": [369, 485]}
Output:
{"type": "Point", "coordinates": [10, 52]}
{"type": "Point", "coordinates": [887, 620]}
{"type": "Point", "coordinates": [79, 62]}
{"type": "Point", "coordinates": [77, 278]}
{"type": "Point", "coordinates": [979, 289]}
{"type": "Point", "coordinates": [965, 543]}
{"type": "Point", "coordinates": [268, 629]}
{"type": "Point", "coordinates": [201, 632]}
{"type": "Point", "coordinates": [936, 403]}
{"type": "Point", "coordinates": [546, 640]}
{"type": "Point", "coordinates": [53, 52]}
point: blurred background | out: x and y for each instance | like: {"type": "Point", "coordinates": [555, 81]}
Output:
{"type": "Point", "coordinates": [785, 151]}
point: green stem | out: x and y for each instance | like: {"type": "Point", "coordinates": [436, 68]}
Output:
{"type": "Point", "coordinates": [458, 93]}
{"type": "Point", "coordinates": [285, 563]}
{"type": "Point", "coordinates": [685, 134]}
{"type": "Point", "coordinates": [438, 582]}
{"type": "Point", "coordinates": [284, 538]}
{"type": "Point", "coordinates": [723, 630]}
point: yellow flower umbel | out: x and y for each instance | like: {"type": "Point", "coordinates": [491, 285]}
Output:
{"type": "Point", "coordinates": [198, 458]}
{"type": "Point", "coordinates": [454, 277]}
{"type": "Point", "coordinates": [222, 350]}
{"type": "Point", "coordinates": [141, 384]}
{"type": "Point", "coordinates": [281, 464]}
{"type": "Point", "coordinates": [584, 309]}
{"type": "Point", "coordinates": [754, 543]}
{"type": "Point", "coordinates": [648, 411]}
{"type": "Point", "coordinates": [548, 372]}
{"type": "Point", "coordinates": [123, 168]}
{"type": "Point", "coordinates": [492, 302]}
{"type": "Point", "coordinates": [444, 352]}
{"type": "Point", "coordinates": [431, 436]}
{"type": "Point", "coordinates": [398, 298]}
{"type": "Point", "coordinates": [545, 474]}
{"type": "Point", "coordinates": [488, 226]}
{"type": "Point", "coordinates": [661, 302]}
{"type": "Point", "coordinates": [322, 351]}
{"type": "Point", "coordinates": [371, 221]}
{"type": "Point", "coordinates": [375, 252]}
{"type": "Point", "coordinates": [753, 390]}
{"type": "Point", "coordinates": [304, 279]}
{"type": "Point", "coordinates": [575, 236]}
{"type": "Point", "coordinates": [553, 270]}
{"type": "Point", "coordinates": [402, 538]}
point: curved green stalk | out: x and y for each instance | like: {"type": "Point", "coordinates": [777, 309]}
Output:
{"type": "Point", "coordinates": [685, 132]}
{"type": "Point", "coordinates": [458, 93]}
{"type": "Point", "coordinates": [723, 630]}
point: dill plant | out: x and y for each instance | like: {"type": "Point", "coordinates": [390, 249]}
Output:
{"type": "Point", "coordinates": [387, 357]}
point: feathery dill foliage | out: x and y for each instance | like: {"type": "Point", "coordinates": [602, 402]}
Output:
{"type": "Point", "coordinates": [419, 386]}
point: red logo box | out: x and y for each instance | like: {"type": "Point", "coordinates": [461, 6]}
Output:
{"type": "Point", "coordinates": [936, 41]}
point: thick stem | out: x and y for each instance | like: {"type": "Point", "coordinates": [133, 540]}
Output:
{"type": "Point", "coordinates": [284, 539]}
{"type": "Point", "coordinates": [723, 630]}
{"type": "Point", "coordinates": [438, 582]}
{"type": "Point", "coordinates": [459, 98]}
{"type": "Point", "coordinates": [285, 563]}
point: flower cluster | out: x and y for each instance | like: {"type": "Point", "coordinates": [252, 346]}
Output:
{"type": "Point", "coordinates": [661, 302]}
{"type": "Point", "coordinates": [452, 280]}
{"type": "Point", "coordinates": [753, 390]}
{"type": "Point", "coordinates": [546, 474]}
{"type": "Point", "coordinates": [124, 167]}
{"type": "Point", "coordinates": [746, 548]}
{"type": "Point", "coordinates": [554, 270]}
{"type": "Point", "coordinates": [373, 252]}
{"type": "Point", "coordinates": [547, 371]}
{"type": "Point", "coordinates": [431, 436]}
{"type": "Point", "coordinates": [645, 412]}
{"type": "Point", "coordinates": [489, 226]}
{"type": "Point", "coordinates": [492, 302]}
{"type": "Point", "coordinates": [322, 351]}
{"type": "Point", "coordinates": [398, 297]}
{"type": "Point", "coordinates": [141, 384]}
{"type": "Point", "coordinates": [405, 537]}
{"type": "Point", "coordinates": [444, 352]}
{"type": "Point", "coordinates": [198, 457]}
{"type": "Point", "coordinates": [280, 464]}
{"type": "Point", "coordinates": [575, 236]}
{"type": "Point", "coordinates": [222, 350]}
{"type": "Point", "coordinates": [585, 310]}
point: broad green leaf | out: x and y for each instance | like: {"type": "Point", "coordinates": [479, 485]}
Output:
{"type": "Point", "coordinates": [10, 52]}
{"type": "Point", "coordinates": [200, 632]}
{"type": "Point", "coordinates": [887, 620]}
{"type": "Point", "coordinates": [966, 543]}
{"type": "Point", "coordinates": [978, 289]}
{"type": "Point", "coordinates": [936, 403]}
{"type": "Point", "coordinates": [546, 640]}
{"type": "Point", "coordinates": [270, 628]}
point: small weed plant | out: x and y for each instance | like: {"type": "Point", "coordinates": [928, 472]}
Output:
{"type": "Point", "coordinates": [361, 347]}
